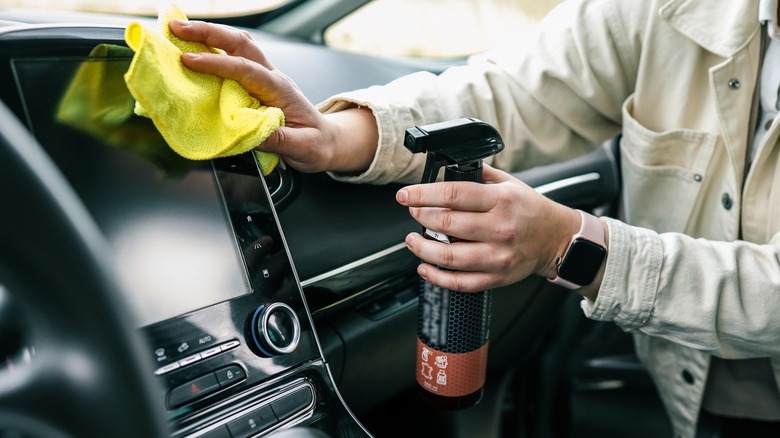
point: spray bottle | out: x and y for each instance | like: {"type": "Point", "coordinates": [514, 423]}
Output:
{"type": "Point", "coordinates": [452, 327]}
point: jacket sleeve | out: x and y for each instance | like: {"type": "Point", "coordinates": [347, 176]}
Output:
{"type": "Point", "coordinates": [721, 298]}
{"type": "Point", "coordinates": [553, 97]}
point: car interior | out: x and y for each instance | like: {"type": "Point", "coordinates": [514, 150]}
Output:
{"type": "Point", "coordinates": [142, 294]}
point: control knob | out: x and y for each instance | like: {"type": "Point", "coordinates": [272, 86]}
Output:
{"type": "Point", "coordinates": [275, 329]}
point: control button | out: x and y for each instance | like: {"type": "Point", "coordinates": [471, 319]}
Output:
{"type": "Point", "coordinates": [203, 340]}
{"type": "Point", "coordinates": [229, 345]}
{"type": "Point", "coordinates": [210, 352]}
{"type": "Point", "coordinates": [192, 390]}
{"type": "Point", "coordinates": [189, 359]}
{"type": "Point", "coordinates": [183, 347]}
{"type": "Point", "coordinates": [252, 423]}
{"type": "Point", "coordinates": [230, 375]}
{"type": "Point", "coordinates": [258, 249]}
{"type": "Point", "coordinates": [220, 432]}
{"type": "Point", "coordinates": [159, 354]}
{"type": "Point", "coordinates": [292, 403]}
{"type": "Point", "coordinates": [252, 226]}
{"type": "Point", "coordinates": [275, 329]}
{"type": "Point", "coordinates": [167, 368]}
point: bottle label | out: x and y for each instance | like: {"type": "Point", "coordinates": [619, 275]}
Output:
{"type": "Point", "coordinates": [435, 235]}
{"type": "Point", "coordinates": [451, 374]}
{"type": "Point", "coordinates": [433, 306]}
{"type": "Point", "coordinates": [452, 337]}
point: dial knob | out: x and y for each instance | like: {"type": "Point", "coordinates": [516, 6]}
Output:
{"type": "Point", "coordinates": [275, 329]}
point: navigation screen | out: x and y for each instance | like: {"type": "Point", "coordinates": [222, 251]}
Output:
{"type": "Point", "coordinates": [164, 216]}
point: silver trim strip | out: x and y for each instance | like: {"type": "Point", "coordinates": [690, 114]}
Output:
{"type": "Point", "coordinates": [355, 264]}
{"type": "Point", "coordinates": [567, 182]}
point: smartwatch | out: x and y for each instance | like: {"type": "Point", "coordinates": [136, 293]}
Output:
{"type": "Point", "coordinates": [581, 262]}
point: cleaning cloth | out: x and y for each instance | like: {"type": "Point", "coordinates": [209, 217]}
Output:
{"type": "Point", "coordinates": [201, 116]}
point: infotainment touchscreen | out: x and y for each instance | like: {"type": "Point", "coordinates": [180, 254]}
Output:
{"type": "Point", "coordinates": [164, 216]}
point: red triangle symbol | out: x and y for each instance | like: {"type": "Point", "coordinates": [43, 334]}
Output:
{"type": "Point", "coordinates": [194, 389]}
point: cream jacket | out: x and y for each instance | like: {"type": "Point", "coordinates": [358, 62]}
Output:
{"type": "Point", "coordinates": [676, 78]}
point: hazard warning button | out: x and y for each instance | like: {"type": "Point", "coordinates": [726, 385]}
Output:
{"type": "Point", "coordinates": [192, 390]}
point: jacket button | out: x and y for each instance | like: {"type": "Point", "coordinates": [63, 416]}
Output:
{"type": "Point", "coordinates": [727, 201]}
{"type": "Point", "coordinates": [688, 377]}
{"type": "Point", "coordinates": [734, 84]}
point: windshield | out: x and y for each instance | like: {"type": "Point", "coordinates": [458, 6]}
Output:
{"type": "Point", "coordinates": [194, 8]}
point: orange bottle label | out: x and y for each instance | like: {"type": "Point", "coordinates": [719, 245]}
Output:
{"type": "Point", "coordinates": [451, 374]}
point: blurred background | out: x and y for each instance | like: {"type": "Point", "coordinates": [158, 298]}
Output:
{"type": "Point", "coordinates": [438, 29]}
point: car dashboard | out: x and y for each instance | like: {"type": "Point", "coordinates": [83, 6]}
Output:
{"type": "Point", "coordinates": [264, 303]}
{"type": "Point", "coordinates": [202, 262]}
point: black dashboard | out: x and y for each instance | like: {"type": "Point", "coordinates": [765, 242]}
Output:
{"type": "Point", "coordinates": [201, 259]}
{"type": "Point", "coordinates": [264, 303]}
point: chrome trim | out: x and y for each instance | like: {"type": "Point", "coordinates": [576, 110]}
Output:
{"type": "Point", "coordinates": [567, 182]}
{"type": "Point", "coordinates": [267, 313]}
{"type": "Point", "coordinates": [355, 264]}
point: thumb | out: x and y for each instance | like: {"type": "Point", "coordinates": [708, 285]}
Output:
{"type": "Point", "coordinates": [273, 142]}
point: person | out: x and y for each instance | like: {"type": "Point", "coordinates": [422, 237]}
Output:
{"type": "Point", "coordinates": [693, 267]}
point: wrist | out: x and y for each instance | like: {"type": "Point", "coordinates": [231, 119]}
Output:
{"type": "Point", "coordinates": [566, 226]}
{"type": "Point", "coordinates": [351, 140]}
{"type": "Point", "coordinates": [581, 263]}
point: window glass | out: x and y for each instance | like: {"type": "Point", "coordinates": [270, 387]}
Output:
{"type": "Point", "coordinates": [436, 28]}
{"type": "Point", "coordinates": [192, 8]}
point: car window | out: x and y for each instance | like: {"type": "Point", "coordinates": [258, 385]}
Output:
{"type": "Point", "coordinates": [193, 8]}
{"type": "Point", "coordinates": [435, 28]}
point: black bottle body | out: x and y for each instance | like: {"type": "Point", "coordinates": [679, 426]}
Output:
{"type": "Point", "coordinates": [452, 331]}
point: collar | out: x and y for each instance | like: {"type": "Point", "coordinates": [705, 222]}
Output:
{"type": "Point", "coordinates": [767, 14]}
{"type": "Point", "coordinates": [720, 26]}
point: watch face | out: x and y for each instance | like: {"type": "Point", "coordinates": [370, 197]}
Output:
{"type": "Point", "coordinates": [582, 261]}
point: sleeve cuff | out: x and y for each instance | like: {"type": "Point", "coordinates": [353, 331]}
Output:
{"type": "Point", "coordinates": [630, 284]}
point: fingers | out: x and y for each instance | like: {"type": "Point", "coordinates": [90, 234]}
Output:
{"type": "Point", "coordinates": [461, 266]}
{"type": "Point", "coordinates": [458, 281]}
{"type": "Point", "coordinates": [254, 77]}
{"type": "Point", "coordinates": [501, 230]}
{"type": "Point", "coordinates": [248, 66]}
{"type": "Point", "coordinates": [460, 256]}
{"type": "Point", "coordinates": [455, 195]}
{"type": "Point", "coordinates": [233, 41]}
{"type": "Point", "coordinates": [463, 210]}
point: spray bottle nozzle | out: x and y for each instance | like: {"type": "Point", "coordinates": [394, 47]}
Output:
{"type": "Point", "coordinates": [456, 142]}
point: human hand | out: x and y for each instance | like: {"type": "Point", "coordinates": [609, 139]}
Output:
{"type": "Point", "coordinates": [309, 141]}
{"type": "Point", "coordinates": [504, 231]}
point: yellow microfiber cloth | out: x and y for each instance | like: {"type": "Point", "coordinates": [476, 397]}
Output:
{"type": "Point", "coordinates": [201, 116]}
